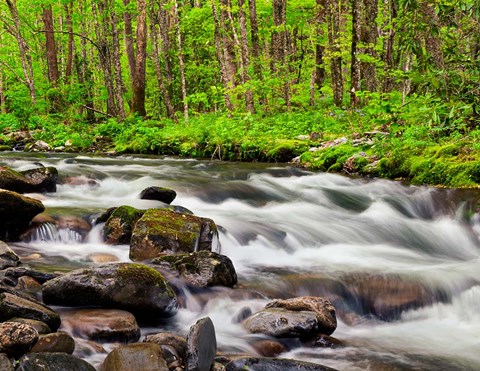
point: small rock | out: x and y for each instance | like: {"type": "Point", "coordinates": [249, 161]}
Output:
{"type": "Point", "coordinates": [41, 327]}
{"type": "Point", "coordinates": [16, 338]}
{"type": "Point", "coordinates": [52, 362]}
{"type": "Point", "coordinates": [201, 346]}
{"type": "Point", "coordinates": [138, 356]}
{"type": "Point", "coordinates": [164, 195]}
{"type": "Point", "coordinates": [6, 364]}
{"type": "Point", "coordinates": [268, 348]}
{"type": "Point", "coordinates": [179, 343]}
{"type": "Point", "coordinates": [55, 342]}
{"type": "Point", "coordinates": [273, 364]}
{"type": "Point", "coordinates": [102, 258]}
{"type": "Point", "coordinates": [8, 258]}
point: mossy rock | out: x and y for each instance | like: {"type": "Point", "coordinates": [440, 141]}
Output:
{"type": "Point", "coordinates": [202, 268]}
{"type": "Point", "coordinates": [43, 179]}
{"type": "Point", "coordinates": [119, 226]}
{"type": "Point", "coordinates": [136, 288]}
{"type": "Point", "coordinates": [160, 232]}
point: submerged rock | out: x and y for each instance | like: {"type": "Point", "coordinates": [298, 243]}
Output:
{"type": "Point", "coordinates": [12, 306]}
{"type": "Point", "coordinates": [119, 225]}
{"type": "Point", "coordinates": [55, 342]}
{"type": "Point", "coordinates": [162, 194]}
{"type": "Point", "coordinates": [102, 324]}
{"type": "Point", "coordinates": [16, 338]}
{"type": "Point", "coordinates": [139, 356]}
{"type": "Point", "coordinates": [273, 364]}
{"type": "Point", "coordinates": [16, 212]}
{"type": "Point", "coordinates": [202, 268]}
{"type": "Point", "coordinates": [280, 322]}
{"type": "Point", "coordinates": [52, 362]}
{"type": "Point", "coordinates": [159, 232]}
{"type": "Point", "coordinates": [323, 309]}
{"type": "Point", "coordinates": [136, 288]}
{"type": "Point", "coordinates": [201, 346]}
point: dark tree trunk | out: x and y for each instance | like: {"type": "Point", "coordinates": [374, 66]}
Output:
{"type": "Point", "coordinates": [355, 62]}
{"type": "Point", "coordinates": [69, 67]}
{"type": "Point", "coordinates": [333, 21]}
{"type": "Point", "coordinates": [138, 83]}
{"type": "Point", "coordinates": [368, 38]}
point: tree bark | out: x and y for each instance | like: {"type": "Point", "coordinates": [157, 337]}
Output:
{"type": "Point", "coordinates": [368, 38]}
{"type": "Point", "coordinates": [117, 67]}
{"type": "Point", "coordinates": [69, 67]}
{"type": "Point", "coordinates": [50, 47]}
{"type": "Point", "coordinates": [138, 83]}
{"type": "Point", "coordinates": [333, 21]}
{"type": "Point", "coordinates": [355, 62]}
{"type": "Point", "coordinates": [390, 15]}
{"type": "Point", "coordinates": [180, 62]}
{"type": "Point", "coordinates": [128, 35]}
{"type": "Point", "coordinates": [280, 46]}
{"type": "Point", "coordinates": [245, 55]}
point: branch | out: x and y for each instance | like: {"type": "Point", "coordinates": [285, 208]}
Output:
{"type": "Point", "coordinates": [74, 34]}
{"type": "Point", "coordinates": [13, 71]}
{"type": "Point", "coordinates": [96, 111]}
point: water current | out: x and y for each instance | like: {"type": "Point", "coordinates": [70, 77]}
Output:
{"type": "Point", "coordinates": [400, 263]}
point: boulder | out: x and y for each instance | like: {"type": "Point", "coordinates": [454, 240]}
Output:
{"type": "Point", "coordinates": [280, 322]}
{"type": "Point", "coordinates": [159, 232]}
{"type": "Point", "coordinates": [164, 195]}
{"type": "Point", "coordinates": [139, 356]}
{"type": "Point", "coordinates": [102, 324]}
{"type": "Point", "coordinates": [22, 271]}
{"type": "Point", "coordinates": [136, 288]}
{"type": "Point", "coordinates": [52, 362]}
{"type": "Point", "coordinates": [201, 346]}
{"type": "Point", "coordinates": [6, 364]}
{"type": "Point", "coordinates": [16, 211]}
{"type": "Point", "coordinates": [75, 224]}
{"type": "Point", "coordinates": [53, 343]}
{"type": "Point", "coordinates": [42, 179]}
{"type": "Point", "coordinates": [16, 338]}
{"type": "Point", "coordinates": [12, 306]}
{"type": "Point", "coordinates": [323, 309]}
{"type": "Point", "coordinates": [41, 327]}
{"type": "Point", "coordinates": [8, 258]}
{"type": "Point", "coordinates": [179, 343]}
{"type": "Point", "coordinates": [201, 269]}
{"type": "Point", "coordinates": [268, 348]}
{"type": "Point", "coordinates": [119, 225]}
{"type": "Point", "coordinates": [273, 364]}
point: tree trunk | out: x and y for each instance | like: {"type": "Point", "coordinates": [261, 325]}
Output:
{"type": "Point", "coordinates": [138, 83]}
{"type": "Point", "coordinates": [355, 62]}
{"type": "Point", "coordinates": [368, 39]}
{"type": "Point", "coordinates": [25, 57]}
{"type": "Point", "coordinates": [333, 21]}
{"type": "Point", "coordinates": [117, 67]}
{"type": "Point", "coordinates": [128, 32]}
{"type": "Point", "coordinates": [180, 62]}
{"type": "Point", "coordinates": [50, 47]}
{"type": "Point", "coordinates": [245, 55]}
{"type": "Point", "coordinates": [69, 67]}
{"type": "Point", "coordinates": [390, 15]}
{"type": "Point", "coordinates": [280, 46]}
{"type": "Point", "coordinates": [3, 108]}
{"type": "Point", "coordinates": [319, 48]}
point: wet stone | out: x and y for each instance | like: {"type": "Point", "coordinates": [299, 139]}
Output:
{"type": "Point", "coordinates": [179, 343]}
{"type": "Point", "coordinates": [16, 338]}
{"type": "Point", "coordinates": [273, 364]}
{"type": "Point", "coordinates": [138, 356]}
{"type": "Point", "coordinates": [55, 342]}
{"type": "Point", "coordinates": [6, 364]}
{"type": "Point", "coordinates": [201, 346]}
{"type": "Point", "coordinates": [52, 362]}
{"type": "Point", "coordinates": [164, 195]}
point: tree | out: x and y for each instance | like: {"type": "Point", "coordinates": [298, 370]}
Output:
{"type": "Point", "coordinates": [332, 12]}
{"type": "Point", "coordinates": [138, 83]}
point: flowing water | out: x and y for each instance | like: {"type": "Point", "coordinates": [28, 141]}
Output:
{"type": "Point", "coordinates": [400, 263]}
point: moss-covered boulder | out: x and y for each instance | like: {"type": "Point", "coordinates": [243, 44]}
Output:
{"type": "Point", "coordinates": [16, 211]}
{"type": "Point", "coordinates": [119, 225]}
{"type": "Point", "coordinates": [42, 179]}
{"type": "Point", "coordinates": [165, 195]}
{"type": "Point", "coordinates": [201, 269]}
{"type": "Point", "coordinates": [160, 232]}
{"type": "Point", "coordinates": [136, 288]}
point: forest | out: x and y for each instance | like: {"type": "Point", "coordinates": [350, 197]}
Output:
{"type": "Point", "coordinates": [385, 88]}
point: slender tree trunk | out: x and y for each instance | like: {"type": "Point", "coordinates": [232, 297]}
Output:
{"type": "Point", "coordinates": [368, 38]}
{"type": "Point", "coordinates": [180, 62]}
{"type": "Point", "coordinates": [333, 20]}
{"type": "Point", "coordinates": [25, 57]}
{"type": "Point", "coordinates": [84, 74]}
{"type": "Point", "coordinates": [164, 28]}
{"type": "Point", "coordinates": [128, 34]}
{"type": "Point", "coordinates": [355, 62]}
{"type": "Point", "coordinates": [390, 14]}
{"type": "Point", "coordinates": [3, 108]}
{"type": "Point", "coordinates": [319, 48]}
{"type": "Point", "coordinates": [69, 67]}
{"type": "Point", "coordinates": [117, 67]}
{"type": "Point", "coordinates": [50, 47]}
{"type": "Point", "coordinates": [280, 46]}
{"type": "Point", "coordinates": [245, 55]}
{"type": "Point", "coordinates": [138, 84]}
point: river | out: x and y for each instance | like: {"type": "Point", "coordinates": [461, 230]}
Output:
{"type": "Point", "coordinates": [400, 263]}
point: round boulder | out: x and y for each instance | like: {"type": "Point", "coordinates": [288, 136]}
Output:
{"type": "Point", "coordinates": [273, 364]}
{"type": "Point", "coordinates": [52, 362]}
{"type": "Point", "coordinates": [135, 288]}
{"type": "Point", "coordinates": [179, 343]}
{"type": "Point", "coordinates": [16, 338]}
{"type": "Point", "coordinates": [55, 342]}
{"type": "Point", "coordinates": [164, 195]}
{"type": "Point", "coordinates": [138, 356]}
{"type": "Point", "coordinates": [43, 179]}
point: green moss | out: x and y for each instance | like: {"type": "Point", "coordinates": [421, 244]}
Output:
{"type": "Point", "coordinates": [127, 214]}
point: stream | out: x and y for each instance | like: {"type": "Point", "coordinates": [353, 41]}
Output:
{"type": "Point", "coordinates": [400, 263]}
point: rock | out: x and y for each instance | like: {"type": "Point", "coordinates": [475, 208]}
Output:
{"type": "Point", "coordinates": [22, 271]}
{"type": "Point", "coordinates": [323, 341]}
{"type": "Point", "coordinates": [160, 232]}
{"type": "Point", "coordinates": [39, 146]}
{"type": "Point", "coordinates": [201, 346]}
{"type": "Point", "coordinates": [16, 211]}
{"type": "Point", "coordinates": [164, 195]}
{"type": "Point", "coordinates": [280, 322]}
{"type": "Point", "coordinates": [273, 364]}
{"type": "Point", "coordinates": [323, 308]}
{"type": "Point", "coordinates": [179, 343]}
{"type": "Point", "coordinates": [102, 325]}
{"type": "Point", "coordinates": [102, 258]}
{"type": "Point", "coordinates": [42, 179]}
{"type": "Point", "coordinates": [139, 356]}
{"type": "Point", "coordinates": [52, 362]}
{"type": "Point", "coordinates": [12, 306]}
{"type": "Point", "coordinates": [74, 223]}
{"type": "Point", "coordinates": [8, 258]}
{"type": "Point", "coordinates": [119, 226]}
{"type": "Point", "coordinates": [41, 327]}
{"type": "Point", "coordinates": [6, 364]}
{"type": "Point", "coordinates": [77, 181]}
{"type": "Point", "coordinates": [16, 338]}
{"type": "Point", "coordinates": [202, 268]}
{"type": "Point", "coordinates": [55, 342]}
{"type": "Point", "coordinates": [136, 288]}
{"type": "Point", "coordinates": [268, 348]}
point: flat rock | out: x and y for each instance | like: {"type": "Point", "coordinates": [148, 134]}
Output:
{"type": "Point", "coordinates": [201, 269]}
{"type": "Point", "coordinates": [12, 306]}
{"type": "Point", "coordinates": [41, 327]}
{"type": "Point", "coordinates": [201, 346]}
{"type": "Point", "coordinates": [135, 288]}
{"type": "Point", "coordinates": [138, 356]}
{"type": "Point", "coordinates": [52, 362]}
{"type": "Point", "coordinates": [16, 338]}
{"type": "Point", "coordinates": [102, 324]}
{"type": "Point", "coordinates": [42, 179]}
{"type": "Point", "coordinates": [280, 322]}
{"type": "Point", "coordinates": [55, 342]}
{"type": "Point", "coordinates": [165, 195]}
{"type": "Point", "coordinates": [159, 232]}
{"type": "Point", "coordinates": [323, 308]}
{"type": "Point", "coordinates": [273, 364]}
